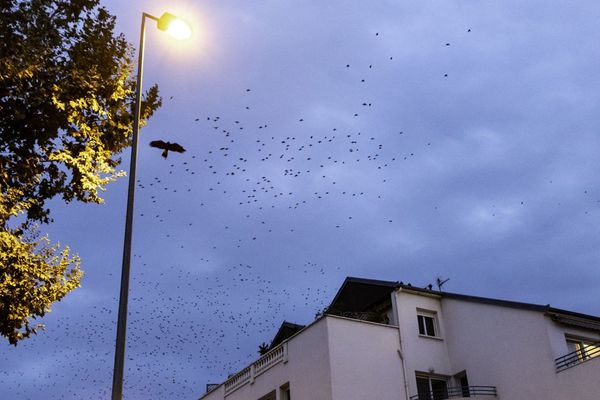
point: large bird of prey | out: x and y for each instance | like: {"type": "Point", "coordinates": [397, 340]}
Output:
{"type": "Point", "coordinates": [166, 147]}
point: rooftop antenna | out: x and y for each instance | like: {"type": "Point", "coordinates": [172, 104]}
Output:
{"type": "Point", "coordinates": [441, 282]}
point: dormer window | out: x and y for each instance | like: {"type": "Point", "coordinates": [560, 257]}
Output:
{"type": "Point", "coordinates": [428, 325]}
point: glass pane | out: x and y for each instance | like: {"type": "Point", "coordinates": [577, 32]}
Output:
{"type": "Point", "coordinates": [592, 350]}
{"type": "Point", "coordinates": [580, 351]}
{"type": "Point", "coordinates": [429, 326]}
{"type": "Point", "coordinates": [464, 385]}
{"type": "Point", "coordinates": [439, 389]}
{"type": "Point", "coordinates": [571, 345]}
{"type": "Point", "coordinates": [574, 354]}
{"type": "Point", "coordinates": [421, 324]}
{"type": "Point", "coordinates": [423, 388]}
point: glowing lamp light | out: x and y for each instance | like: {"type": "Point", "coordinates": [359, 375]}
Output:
{"type": "Point", "coordinates": [174, 26]}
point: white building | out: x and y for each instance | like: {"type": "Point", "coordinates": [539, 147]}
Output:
{"type": "Point", "coordinates": [385, 340]}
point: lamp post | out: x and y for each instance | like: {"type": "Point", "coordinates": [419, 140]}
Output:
{"type": "Point", "coordinates": [180, 30]}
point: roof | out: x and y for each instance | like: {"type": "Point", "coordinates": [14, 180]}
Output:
{"type": "Point", "coordinates": [286, 330]}
{"type": "Point", "coordinates": [359, 294]}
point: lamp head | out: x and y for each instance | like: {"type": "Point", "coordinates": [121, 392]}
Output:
{"type": "Point", "coordinates": [174, 26]}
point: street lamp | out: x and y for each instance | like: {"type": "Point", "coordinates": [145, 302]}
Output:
{"type": "Point", "coordinates": [179, 29]}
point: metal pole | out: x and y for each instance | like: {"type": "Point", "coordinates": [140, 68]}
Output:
{"type": "Point", "coordinates": [117, 388]}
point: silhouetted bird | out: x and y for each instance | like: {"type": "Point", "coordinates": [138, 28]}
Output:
{"type": "Point", "coordinates": [166, 147]}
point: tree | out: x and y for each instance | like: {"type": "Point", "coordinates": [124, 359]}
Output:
{"type": "Point", "coordinates": [263, 348]}
{"type": "Point", "coordinates": [36, 275]}
{"type": "Point", "coordinates": [66, 113]}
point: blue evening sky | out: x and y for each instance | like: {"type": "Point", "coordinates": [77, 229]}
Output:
{"type": "Point", "coordinates": [398, 140]}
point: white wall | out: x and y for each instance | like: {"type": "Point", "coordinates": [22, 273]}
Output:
{"type": "Point", "coordinates": [556, 335]}
{"type": "Point", "coordinates": [364, 360]}
{"type": "Point", "coordinates": [307, 370]}
{"type": "Point", "coordinates": [514, 350]}
{"type": "Point", "coordinates": [421, 353]}
{"type": "Point", "coordinates": [336, 358]}
{"type": "Point", "coordinates": [581, 382]}
{"type": "Point", "coordinates": [499, 346]}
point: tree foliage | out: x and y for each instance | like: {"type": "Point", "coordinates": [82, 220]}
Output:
{"type": "Point", "coordinates": [263, 348]}
{"type": "Point", "coordinates": [39, 274]}
{"type": "Point", "coordinates": [66, 96]}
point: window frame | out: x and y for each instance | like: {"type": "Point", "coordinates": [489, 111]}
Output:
{"type": "Point", "coordinates": [272, 395]}
{"type": "Point", "coordinates": [424, 315]}
{"type": "Point", "coordinates": [285, 392]}
{"type": "Point", "coordinates": [432, 394]}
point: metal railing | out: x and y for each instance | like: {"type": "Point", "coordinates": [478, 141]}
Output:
{"type": "Point", "coordinates": [248, 374]}
{"type": "Point", "coordinates": [578, 356]}
{"type": "Point", "coordinates": [459, 391]}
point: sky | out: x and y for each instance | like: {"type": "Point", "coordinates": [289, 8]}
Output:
{"type": "Point", "coordinates": [395, 140]}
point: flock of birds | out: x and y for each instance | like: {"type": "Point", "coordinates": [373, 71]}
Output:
{"type": "Point", "coordinates": [184, 324]}
{"type": "Point", "coordinates": [259, 170]}
{"type": "Point", "coordinates": [196, 309]}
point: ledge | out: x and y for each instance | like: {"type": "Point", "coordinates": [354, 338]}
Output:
{"type": "Point", "coordinates": [431, 337]}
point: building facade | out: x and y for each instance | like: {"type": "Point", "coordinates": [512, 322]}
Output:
{"type": "Point", "coordinates": [387, 340]}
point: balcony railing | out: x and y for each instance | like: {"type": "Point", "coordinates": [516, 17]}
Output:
{"type": "Point", "coordinates": [454, 392]}
{"type": "Point", "coordinates": [578, 356]}
{"type": "Point", "coordinates": [248, 374]}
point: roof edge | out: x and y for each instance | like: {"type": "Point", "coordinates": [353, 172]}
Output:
{"type": "Point", "coordinates": [365, 281]}
{"type": "Point", "coordinates": [545, 308]}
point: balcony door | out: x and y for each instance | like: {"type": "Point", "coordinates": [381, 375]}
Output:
{"type": "Point", "coordinates": [431, 388]}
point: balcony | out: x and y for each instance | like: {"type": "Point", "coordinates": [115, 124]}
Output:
{"type": "Point", "coordinates": [460, 392]}
{"type": "Point", "coordinates": [248, 374]}
{"type": "Point", "coordinates": [578, 356]}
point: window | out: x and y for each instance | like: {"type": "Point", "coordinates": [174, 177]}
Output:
{"type": "Point", "coordinates": [584, 348]}
{"type": "Point", "coordinates": [464, 383]}
{"type": "Point", "coordinates": [427, 323]}
{"type": "Point", "coordinates": [431, 388]}
{"type": "Point", "coordinates": [285, 392]}
{"type": "Point", "coordinates": [269, 396]}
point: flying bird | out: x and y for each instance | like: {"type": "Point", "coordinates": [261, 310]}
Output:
{"type": "Point", "coordinates": [166, 147]}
